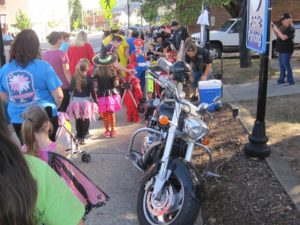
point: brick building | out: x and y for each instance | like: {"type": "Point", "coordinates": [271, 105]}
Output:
{"type": "Point", "coordinates": [220, 15]}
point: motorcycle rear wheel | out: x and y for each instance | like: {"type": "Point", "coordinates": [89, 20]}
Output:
{"type": "Point", "coordinates": [176, 206]}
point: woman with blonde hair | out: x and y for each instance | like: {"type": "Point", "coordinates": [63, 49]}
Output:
{"type": "Point", "coordinates": [80, 49]}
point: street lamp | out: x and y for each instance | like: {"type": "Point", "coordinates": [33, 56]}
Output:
{"type": "Point", "coordinates": [257, 147]}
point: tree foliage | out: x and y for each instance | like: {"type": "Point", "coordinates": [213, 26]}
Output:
{"type": "Point", "coordinates": [150, 11]}
{"type": "Point", "coordinates": [76, 14]}
{"type": "Point", "coordinates": [22, 20]}
{"type": "Point", "coordinates": [186, 11]}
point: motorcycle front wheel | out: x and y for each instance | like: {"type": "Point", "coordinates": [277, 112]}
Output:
{"type": "Point", "coordinates": [176, 206]}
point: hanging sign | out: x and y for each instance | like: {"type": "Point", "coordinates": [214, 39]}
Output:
{"type": "Point", "coordinates": [257, 25]}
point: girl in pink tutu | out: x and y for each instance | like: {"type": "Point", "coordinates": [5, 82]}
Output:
{"type": "Point", "coordinates": [82, 106]}
{"type": "Point", "coordinates": [109, 100]}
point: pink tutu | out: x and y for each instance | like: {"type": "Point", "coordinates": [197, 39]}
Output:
{"type": "Point", "coordinates": [111, 103]}
{"type": "Point", "coordinates": [82, 108]}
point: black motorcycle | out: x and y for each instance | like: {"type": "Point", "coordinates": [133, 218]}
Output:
{"type": "Point", "coordinates": [171, 188]}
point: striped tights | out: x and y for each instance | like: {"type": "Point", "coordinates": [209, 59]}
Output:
{"type": "Point", "coordinates": [109, 120]}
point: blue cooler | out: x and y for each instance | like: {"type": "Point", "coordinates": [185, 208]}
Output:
{"type": "Point", "coordinates": [209, 90]}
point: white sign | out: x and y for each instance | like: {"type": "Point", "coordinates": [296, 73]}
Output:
{"type": "Point", "coordinates": [257, 25]}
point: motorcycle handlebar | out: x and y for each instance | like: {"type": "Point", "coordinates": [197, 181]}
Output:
{"type": "Point", "coordinates": [161, 80]}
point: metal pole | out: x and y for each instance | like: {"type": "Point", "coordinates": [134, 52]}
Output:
{"type": "Point", "coordinates": [207, 29]}
{"type": "Point", "coordinates": [128, 13]}
{"type": "Point", "coordinates": [256, 147]}
{"type": "Point", "coordinates": [2, 53]}
{"type": "Point", "coordinates": [81, 18]}
{"type": "Point", "coordinates": [141, 15]}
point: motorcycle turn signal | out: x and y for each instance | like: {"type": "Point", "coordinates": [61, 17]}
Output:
{"type": "Point", "coordinates": [205, 140]}
{"type": "Point", "coordinates": [163, 120]}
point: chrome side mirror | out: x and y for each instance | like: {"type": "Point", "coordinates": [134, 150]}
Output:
{"type": "Point", "coordinates": [203, 107]}
{"type": "Point", "coordinates": [164, 64]}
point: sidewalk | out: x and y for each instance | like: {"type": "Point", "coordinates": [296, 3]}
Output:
{"type": "Point", "coordinates": [233, 94]}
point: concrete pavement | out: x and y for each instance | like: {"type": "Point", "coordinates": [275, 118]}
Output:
{"type": "Point", "coordinates": [113, 173]}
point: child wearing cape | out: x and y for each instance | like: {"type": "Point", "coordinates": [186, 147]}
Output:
{"type": "Point", "coordinates": [35, 133]}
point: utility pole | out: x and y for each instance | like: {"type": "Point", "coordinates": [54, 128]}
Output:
{"type": "Point", "coordinates": [141, 12]}
{"type": "Point", "coordinates": [128, 13]}
{"type": "Point", "coordinates": [2, 53]}
{"type": "Point", "coordinates": [82, 18]}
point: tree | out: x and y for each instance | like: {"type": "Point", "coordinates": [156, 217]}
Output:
{"type": "Point", "coordinates": [22, 21]}
{"type": "Point", "coordinates": [76, 14]}
{"type": "Point", "coordinates": [187, 11]}
{"type": "Point", "coordinates": [150, 12]}
{"type": "Point", "coordinates": [237, 8]}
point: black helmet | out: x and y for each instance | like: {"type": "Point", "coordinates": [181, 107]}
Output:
{"type": "Point", "coordinates": [180, 70]}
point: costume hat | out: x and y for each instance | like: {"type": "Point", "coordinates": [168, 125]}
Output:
{"type": "Point", "coordinates": [138, 42]}
{"type": "Point", "coordinates": [130, 66]}
{"type": "Point", "coordinates": [104, 59]}
{"type": "Point", "coordinates": [285, 16]}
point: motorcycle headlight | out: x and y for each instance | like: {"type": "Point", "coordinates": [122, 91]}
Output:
{"type": "Point", "coordinates": [195, 128]}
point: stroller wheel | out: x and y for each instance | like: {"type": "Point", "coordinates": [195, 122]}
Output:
{"type": "Point", "coordinates": [86, 157]}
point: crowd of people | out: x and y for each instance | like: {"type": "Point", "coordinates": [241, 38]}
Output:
{"type": "Point", "coordinates": [70, 78]}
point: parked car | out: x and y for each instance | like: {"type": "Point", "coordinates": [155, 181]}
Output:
{"type": "Point", "coordinates": [226, 38]}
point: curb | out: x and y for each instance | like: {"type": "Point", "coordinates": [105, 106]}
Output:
{"type": "Point", "coordinates": [283, 172]}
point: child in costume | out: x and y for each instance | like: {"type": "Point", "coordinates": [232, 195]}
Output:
{"type": "Point", "coordinates": [113, 46]}
{"type": "Point", "coordinates": [132, 94]}
{"type": "Point", "coordinates": [82, 106]}
{"type": "Point", "coordinates": [138, 59]}
{"type": "Point", "coordinates": [35, 133]}
{"type": "Point", "coordinates": [109, 100]}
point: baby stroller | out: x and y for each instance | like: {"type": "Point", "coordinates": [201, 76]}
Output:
{"type": "Point", "coordinates": [66, 137]}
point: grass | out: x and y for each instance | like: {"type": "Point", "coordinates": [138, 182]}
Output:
{"type": "Point", "coordinates": [233, 74]}
{"type": "Point", "coordinates": [282, 125]}
{"type": "Point", "coordinates": [282, 112]}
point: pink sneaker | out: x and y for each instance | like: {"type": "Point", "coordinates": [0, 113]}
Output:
{"type": "Point", "coordinates": [106, 134]}
{"type": "Point", "coordinates": [113, 134]}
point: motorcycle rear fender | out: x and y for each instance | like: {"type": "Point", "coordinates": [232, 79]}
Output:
{"type": "Point", "coordinates": [185, 171]}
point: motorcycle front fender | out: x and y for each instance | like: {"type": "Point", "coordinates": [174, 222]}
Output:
{"type": "Point", "coordinates": [150, 172]}
{"type": "Point", "coordinates": [189, 177]}
{"type": "Point", "coordinates": [185, 172]}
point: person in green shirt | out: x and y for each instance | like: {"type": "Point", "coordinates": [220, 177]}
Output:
{"type": "Point", "coordinates": [31, 193]}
